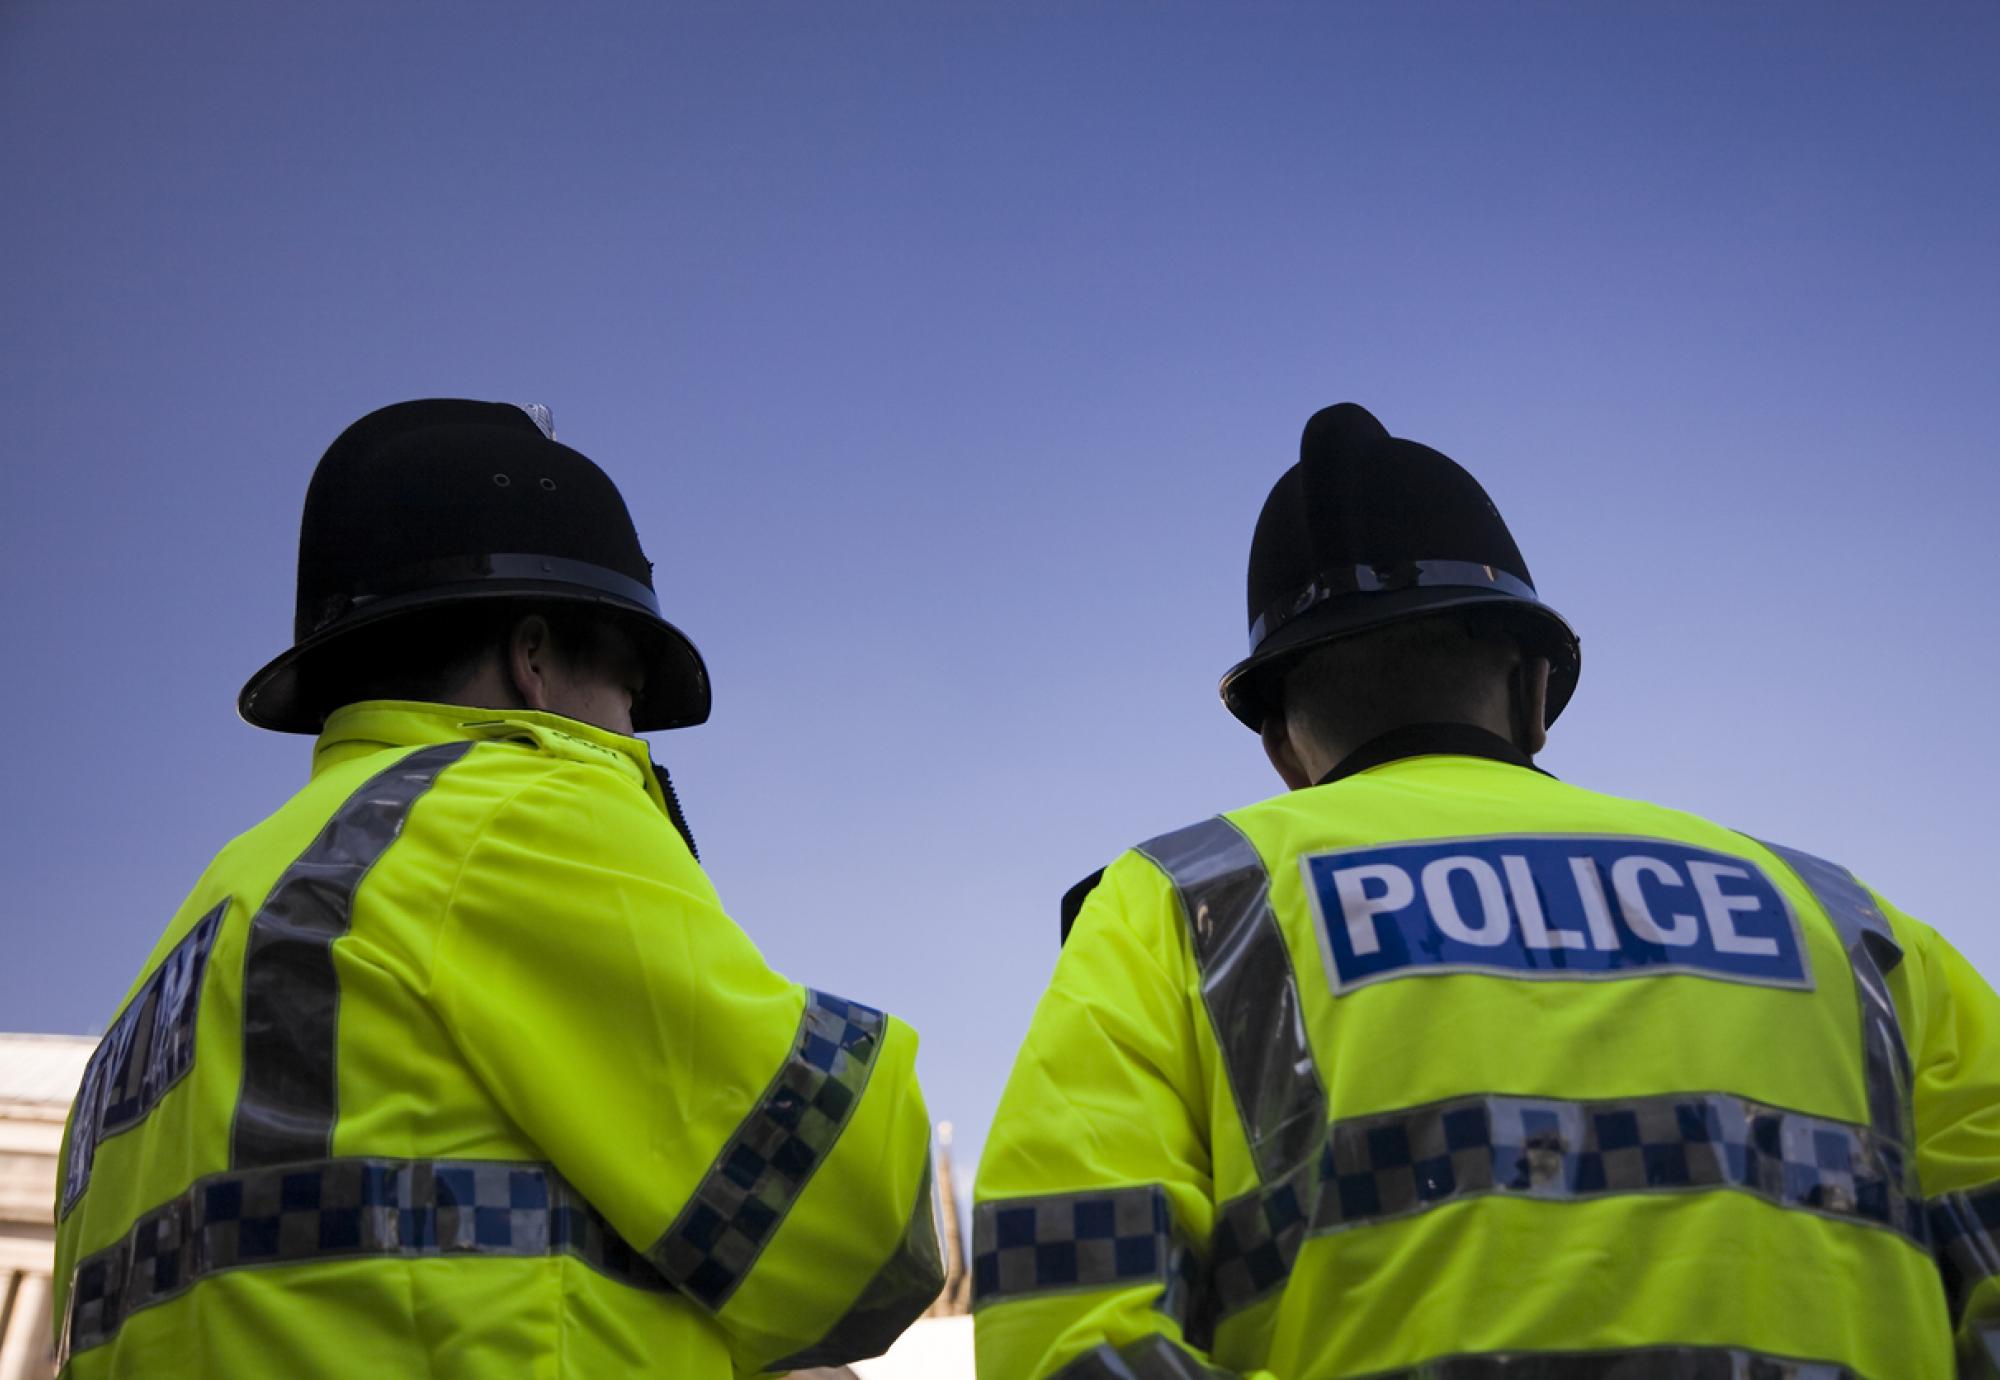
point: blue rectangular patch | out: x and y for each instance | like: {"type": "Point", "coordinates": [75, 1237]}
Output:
{"type": "Point", "coordinates": [149, 1048]}
{"type": "Point", "coordinates": [1550, 906]}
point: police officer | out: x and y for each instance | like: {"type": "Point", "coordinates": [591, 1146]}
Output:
{"type": "Point", "coordinates": [1439, 1067]}
{"type": "Point", "coordinates": [454, 1065]}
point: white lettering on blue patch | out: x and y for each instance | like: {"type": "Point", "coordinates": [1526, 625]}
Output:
{"type": "Point", "coordinates": [1550, 906]}
{"type": "Point", "coordinates": [149, 1048]}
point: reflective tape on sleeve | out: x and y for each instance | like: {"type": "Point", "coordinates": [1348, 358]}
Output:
{"type": "Point", "coordinates": [1258, 1237]}
{"type": "Point", "coordinates": [339, 1209]}
{"type": "Point", "coordinates": [1249, 988]}
{"type": "Point", "coordinates": [291, 991]}
{"type": "Point", "coordinates": [1057, 1243]}
{"type": "Point", "coordinates": [1979, 1353]}
{"type": "Point", "coordinates": [1965, 1232]}
{"type": "Point", "coordinates": [764, 1167]}
{"type": "Point", "coordinates": [1873, 954]}
{"type": "Point", "coordinates": [1638, 1363]}
{"type": "Point", "coordinates": [1149, 1358]}
{"type": "Point", "coordinates": [1381, 1168]}
{"type": "Point", "coordinates": [900, 1291]}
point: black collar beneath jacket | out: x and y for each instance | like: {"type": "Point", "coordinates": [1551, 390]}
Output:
{"type": "Point", "coordinates": [1425, 740]}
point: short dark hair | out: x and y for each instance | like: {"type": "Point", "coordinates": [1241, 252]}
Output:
{"type": "Point", "coordinates": [431, 655]}
{"type": "Point", "coordinates": [1449, 667]}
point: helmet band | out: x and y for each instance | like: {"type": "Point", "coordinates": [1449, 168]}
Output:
{"type": "Point", "coordinates": [511, 567]}
{"type": "Point", "coordinates": [1389, 575]}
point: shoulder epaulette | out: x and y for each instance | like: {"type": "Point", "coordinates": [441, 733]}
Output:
{"type": "Point", "coordinates": [1073, 899]}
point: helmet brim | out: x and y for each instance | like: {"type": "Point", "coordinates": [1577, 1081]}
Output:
{"type": "Point", "coordinates": [1249, 688]}
{"type": "Point", "coordinates": [287, 694]}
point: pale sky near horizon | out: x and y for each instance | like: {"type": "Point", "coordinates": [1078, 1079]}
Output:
{"type": "Point", "coordinates": [945, 354]}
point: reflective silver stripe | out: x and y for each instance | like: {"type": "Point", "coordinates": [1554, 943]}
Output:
{"type": "Point", "coordinates": [1638, 1363]}
{"type": "Point", "coordinates": [291, 992]}
{"type": "Point", "coordinates": [1380, 1168]}
{"type": "Point", "coordinates": [1965, 1230]}
{"type": "Point", "coordinates": [1149, 1358]}
{"type": "Point", "coordinates": [1873, 953]}
{"type": "Point", "coordinates": [339, 1210]}
{"type": "Point", "coordinates": [765, 1165]}
{"type": "Point", "coordinates": [1116, 1238]}
{"type": "Point", "coordinates": [1979, 1357]}
{"type": "Point", "coordinates": [900, 1291]}
{"type": "Point", "coordinates": [1249, 987]}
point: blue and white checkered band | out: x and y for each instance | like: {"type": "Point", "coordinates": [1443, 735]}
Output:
{"type": "Point", "coordinates": [149, 1049]}
{"type": "Point", "coordinates": [1339, 581]}
{"type": "Point", "coordinates": [1639, 1363]}
{"type": "Point", "coordinates": [762, 1170]}
{"type": "Point", "coordinates": [1567, 906]}
{"type": "Point", "coordinates": [1966, 1229]}
{"type": "Point", "coordinates": [1117, 1238]}
{"type": "Point", "coordinates": [339, 1209]}
{"type": "Point", "coordinates": [1398, 1164]}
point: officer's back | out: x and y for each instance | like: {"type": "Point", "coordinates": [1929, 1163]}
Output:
{"type": "Point", "coordinates": [454, 1065]}
{"type": "Point", "coordinates": [1439, 1066]}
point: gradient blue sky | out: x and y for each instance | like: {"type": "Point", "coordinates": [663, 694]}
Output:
{"type": "Point", "coordinates": [946, 353]}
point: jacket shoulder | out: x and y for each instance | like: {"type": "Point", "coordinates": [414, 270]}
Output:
{"type": "Point", "coordinates": [1217, 844]}
{"type": "Point", "coordinates": [1175, 857]}
{"type": "Point", "coordinates": [550, 742]}
{"type": "Point", "coordinates": [530, 786]}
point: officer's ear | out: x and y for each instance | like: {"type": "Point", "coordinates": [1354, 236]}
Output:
{"type": "Point", "coordinates": [1284, 756]}
{"type": "Point", "coordinates": [1528, 694]}
{"type": "Point", "coordinates": [531, 661]}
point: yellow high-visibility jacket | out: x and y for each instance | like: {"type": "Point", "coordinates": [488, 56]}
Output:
{"type": "Point", "coordinates": [455, 1066]}
{"type": "Point", "coordinates": [1450, 1071]}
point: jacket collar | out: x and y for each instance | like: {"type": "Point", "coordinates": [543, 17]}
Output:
{"type": "Point", "coordinates": [370, 726]}
{"type": "Point", "coordinates": [1427, 740]}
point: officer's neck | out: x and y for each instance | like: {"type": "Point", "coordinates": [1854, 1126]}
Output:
{"type": "Point", "coordinates": [1303, 761]}
{"type": "Point", "coordinates": [1514, 730]}
{"type": "Point", "coordinates": [1427, 740]}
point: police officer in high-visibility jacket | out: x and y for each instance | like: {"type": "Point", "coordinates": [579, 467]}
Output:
{"type": "Point", "coordinates": [1439, 1067]}
{"type": "Point", "coordinates": [455, 1066]}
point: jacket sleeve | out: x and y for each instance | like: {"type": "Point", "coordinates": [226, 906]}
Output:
{"type": "Point", "coordinates": [765, 1146]}
{"type": "Point", "coordinates": [1956, 1096]}
{"type": "Point", "coordinates": [1094, 1200]}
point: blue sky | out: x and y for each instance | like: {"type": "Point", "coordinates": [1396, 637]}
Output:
{"type": "Point", "coordinates": [945, 354]}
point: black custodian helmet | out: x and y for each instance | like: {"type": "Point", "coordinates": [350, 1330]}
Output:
{"type": "Point", "coordinates": [1369, 530]}
{"type": "Point", "coordinates": [445, 501]}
